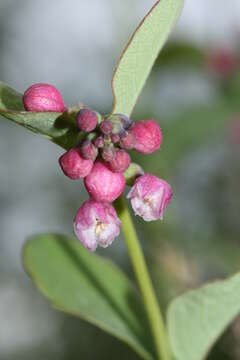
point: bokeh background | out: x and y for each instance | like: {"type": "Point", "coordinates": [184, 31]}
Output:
{"type": "Point", "coordinates": [194, 93]}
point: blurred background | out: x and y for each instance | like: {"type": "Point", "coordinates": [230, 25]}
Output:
{"type": "Point", "coordinates": [193, 91]}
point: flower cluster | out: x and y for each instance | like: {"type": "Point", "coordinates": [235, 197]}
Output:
{"type": "Point", "coordinates": [102, 161]}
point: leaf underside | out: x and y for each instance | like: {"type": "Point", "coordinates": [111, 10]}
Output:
{"type": "Point", "coordinates": [85, 285]}
{"type": "Point", "coordinates": [199, 317]}
{"type": "Point", "coordinates": [141, 52]}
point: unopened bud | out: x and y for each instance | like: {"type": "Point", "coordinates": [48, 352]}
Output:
{"type": "Point", "coordinates": [108, 153]}
{"type": "Point", "coordinates": [128, 140]}
{"type": "Point", "coordinates": [88, 150]}
{"type": "Point", "coordinates": [103, 184]}
{"type": "Point", "coordinates": [87, 120]}
{"type": "Point", "coordinates": [121, 161]}
{"type": "Point", "coordinates": [148, 135]}
{"type": "Point", "coordinates": [43, 97]}
{"type": "Point", "coordinates": [115, 138]}
{"type": "Point", "coordinates": [74, 165]}
{"type": "Point", "coordinates": [106, 127]}
{"type": "Point", "coordinates": [99, 142]}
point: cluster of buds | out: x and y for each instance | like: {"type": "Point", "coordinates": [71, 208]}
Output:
{"type": "Point", "coordinates": [101, 159]}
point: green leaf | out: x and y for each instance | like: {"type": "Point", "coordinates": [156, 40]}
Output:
{"type": "Point", "coordinates": [141, 52]}
{"type": "Point", "coordinates": [83, 284]}
{"type": "Point", "coordinates": [199, 317]}
{"type": "Point", "coordinates": [57, 127]}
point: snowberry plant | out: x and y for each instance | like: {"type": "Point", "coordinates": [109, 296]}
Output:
{"type": "Point", "coordinates": [96, 151]}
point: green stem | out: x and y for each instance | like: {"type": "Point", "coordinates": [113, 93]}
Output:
{"type": "Point", "coordinates": [145, 284]}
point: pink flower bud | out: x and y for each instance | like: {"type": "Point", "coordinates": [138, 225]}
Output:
{"type": "Point", "coordinates": [128, 140]}
{"type": "Point", "coordinates": [87, 120]}
{"type": "Point", "coordinates": [43, 97]}
{"type": "Point", "coordinates": [106, 127]}
{"type": "Point", "coordinates": [99, 142]}
{"type": "Point", "coordinates": [121, 161]}
{"type": "Point", "coordinates": [103, 184]}
{"type": "Point", "coordinates": [73, 165]}
{"type": "Point", "coordinates": [96, 224]}
{"type": "Point", "coordinates": [150, 197]}
{"type": "Point", "coordinates": [148, 136]}
{"type": "Point", "coordinates": [88, 150]}
{"type": "Point", "coordinates": [115, 138]}
{"type": "Point", "coordinates": [108, 153]}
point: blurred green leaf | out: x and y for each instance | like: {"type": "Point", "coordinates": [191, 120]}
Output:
{"type": "Point", "coordinates": [57, 127]}
{"type": "Point", "coordinates": [181, 53]}
{"type": "Point", "coordinates": [141, 52]}
{"type": "Point", "coordinates": [85, 285]}
{"type": "Point", "coordinates": [199, 317]}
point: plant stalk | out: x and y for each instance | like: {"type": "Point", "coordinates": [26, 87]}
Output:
{"type": "Point", "coordinates": [153, 311]}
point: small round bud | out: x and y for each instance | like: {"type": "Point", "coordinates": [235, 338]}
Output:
{"type": "Point", "coordinates": [73, 165]}
{"type": "Point", "coordinates": [87, 120]}
{"type": "Point", "coordinates": [99, 142]}
{"type": "Point", "coordinates": [121, 161]}
{"type": "Point", "coordinates": [115, 138]}
{"type": "Point", "coordinates": [106, 127]}
{"type": "Point", "coordinates": [88, 150]}
{"type": "Point", "coordinates": [43, 97]}
{"type": "Point", "coordinates": [103, 184]}
{"type": "Point", "coordinates": [150, 197]}
{"type": "Point", "coordinates": [108, 153]}
{"type": "Point", "coordinates": [128, 140]}
{"type": "Point", "coordinates": [148, 135]}
{"type": "Point", "coordinates": [96, 224]}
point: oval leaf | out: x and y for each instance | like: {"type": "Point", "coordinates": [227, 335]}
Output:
{"type": "Point", "coordinates": [141, 52]}
{"type": "Point", "coordinates": [57, 127]}
{"type": "Point", "coordinates": [199, 317]}
{"type": "Point", "coordinates": [85, 285]}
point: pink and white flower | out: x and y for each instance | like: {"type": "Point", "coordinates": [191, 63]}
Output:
{"type": "Point", "coordinates": [96, 224]}
{"type": "Point", "coordinates": [150, 196]}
